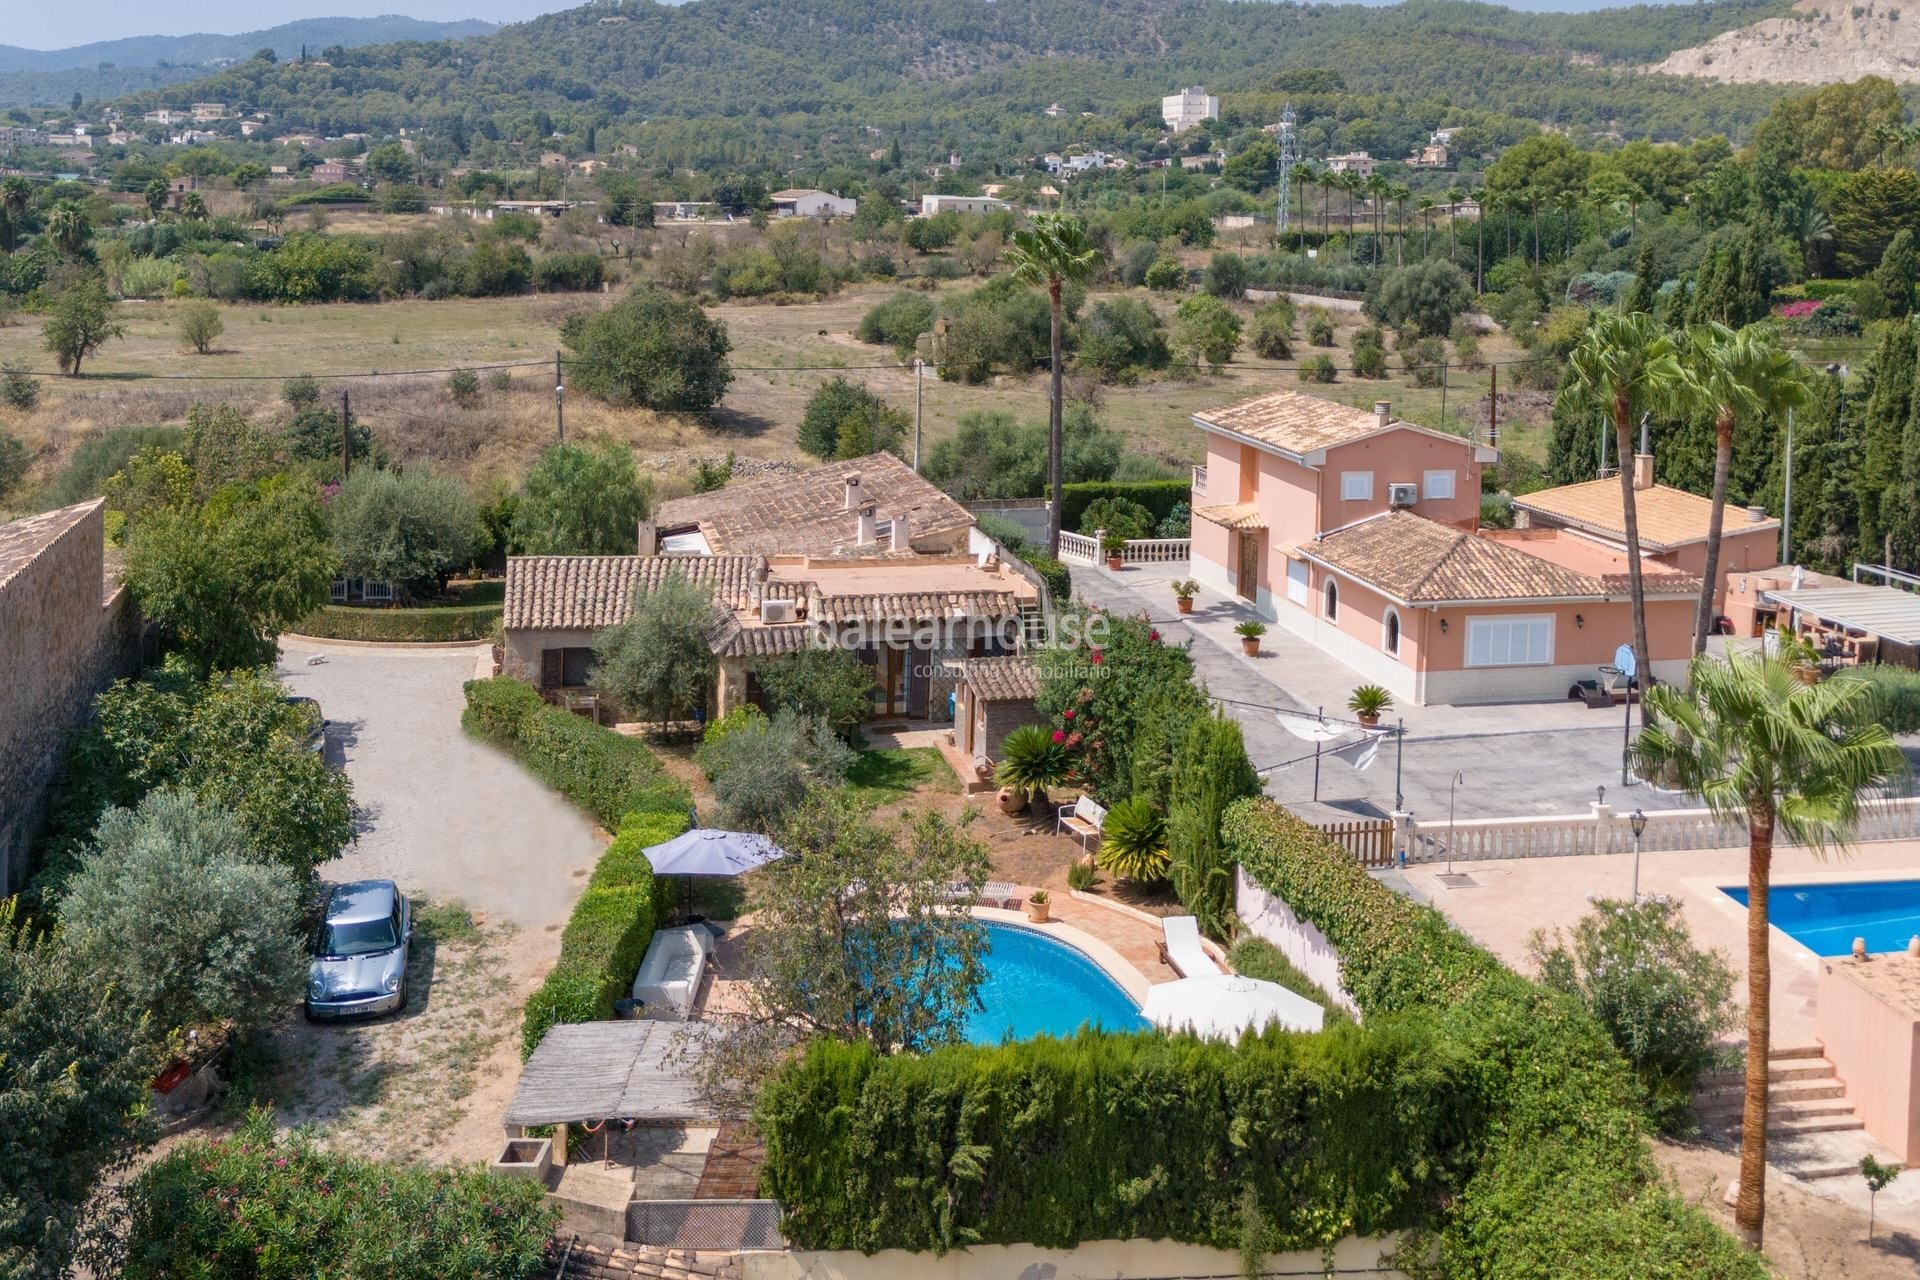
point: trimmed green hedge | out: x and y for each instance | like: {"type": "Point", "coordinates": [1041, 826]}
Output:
{"type": "Point", "coordinates": [1563, 1183]}
{"type": "Point", "coordinates": [399, 626]}
{"type": "Point", "coordinates": [1052, 572]}
{"type": "Point", "coordinates": [621, 783]}
{"type": "Point", "coordinates": [1053, 1142]}
{"type": "Point", "coordinates": [608, 774]}
{"type": "Point", "coordinates": [1157, 496]}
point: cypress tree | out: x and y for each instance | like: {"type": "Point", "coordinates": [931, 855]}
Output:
{"type": "Point", "coordinates": [1884, 426]}
{"type": "Point", "coordinates": [1640, 294]}
{"type": "Point", "coordinates": [1896, 275]}
{"type": "Point", "coordinates": [1210, 772]}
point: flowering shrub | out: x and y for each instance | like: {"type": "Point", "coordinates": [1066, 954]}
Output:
{"type": "Point", "coordinates": [1813, 318]}
{"type": "Point", "coordinates": [262, 1205]}
{"type": "Point", "coordinates": [1107, 700]}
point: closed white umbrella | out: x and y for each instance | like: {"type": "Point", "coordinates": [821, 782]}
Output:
{"type": "Point", "coordinates": [1221, 1006]}
{"type": "Point", "coordinates": [706, 852]}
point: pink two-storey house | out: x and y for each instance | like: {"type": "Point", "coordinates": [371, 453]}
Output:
{"type": "Point", "coordinates": [1361, 533]}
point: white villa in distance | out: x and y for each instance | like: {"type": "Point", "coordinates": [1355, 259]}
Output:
{"type": "Point", "coordinates": [1189, 107]}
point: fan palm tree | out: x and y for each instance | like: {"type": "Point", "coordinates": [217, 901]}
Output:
{"type": "Point", "coordinates": [1379, 191]}
{"type": "Point", "coordinates": [193, 206]}
{"type": "Point", "coordinates": [68, 228]}
{"type": "Point", "coordinates": [1759, 745]}
{"type": "Point", "coordinates": [1054, 250]}
{"type": "Point", "coordinates": [1736, 375]}
{"type": "Point", "coordinates": [1623, 366]}
{"type": "Point", "coordinates": [1455, 194]}
{"type": "Point", "coordinates": [1814, 230]}
{"type": "Point", "coordinates": [1423, 210]}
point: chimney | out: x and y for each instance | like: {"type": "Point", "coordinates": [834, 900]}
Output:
{"type": "Point", "coordinates": [1643, 471]}
{"type": "Point", "coordinates": [900, 534]}
{"type": "Point", "coordinates": [854, 493]}
{"type": "Point", "coordinates": [863, 527]}
{"type": "Point", "coordinates": [1799, 577]}
{"type": "Point", "coordinates": [649, 538]}
{"type": "Point", "coordinates": [1383, 412]}
{"type": "Point", "coordinates": [1756, 514]}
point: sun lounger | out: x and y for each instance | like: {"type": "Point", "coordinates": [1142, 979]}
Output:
{"type": "Point", "coordinates": [1183, 950]}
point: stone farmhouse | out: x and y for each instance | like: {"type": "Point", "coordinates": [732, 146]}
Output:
{"type": "Point", "coordinates": [67, 630]}
{"type": "Point", "coordinates": [862, 555]}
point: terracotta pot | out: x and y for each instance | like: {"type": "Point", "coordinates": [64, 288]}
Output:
{"type": "Point", "coordinates": [1011, 800]}
{"type": "Point", "coordinates": [1369, 719]}
{"type": "Point", "coordinates": [1807, 674]}
{"type": "Point", "coordinates": [1250, 645]}
{"type": "Point", "coordinates": [1037, 911]}
{"type": "Point", "coordinates": [1185, 603]}
{"type": "Point", "coordinates": [1115, 563]}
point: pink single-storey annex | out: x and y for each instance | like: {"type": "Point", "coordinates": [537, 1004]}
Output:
{"type": "Point", "coordinates": [1361, 533]}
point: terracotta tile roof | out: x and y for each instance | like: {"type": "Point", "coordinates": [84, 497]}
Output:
{"type": "Point", "coordinates": [910, 606]}
{"type": "Point", "coordinates": [1293, 421]}
{"type": "Point", "coordinates": [22, 541]}
{"type": "Point", "coordinates": [731, 639]}
{"type": "Point", "coordinates": [1233, 515]}
{"type": "Point", "coordinates": [589, 592]}
{"type": "Point", "coordinates": [805, 513]}
{"type": "Point", "coordinates": [1668, 517]}
{"type": "Point", "coordinates": [1421, 561]}
{"type": "Point", "coordinates": [1012, 678]}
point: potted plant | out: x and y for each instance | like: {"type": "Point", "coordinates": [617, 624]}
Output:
{"type": "Point", "coordinates": [1183, 592]}
{"type": "Point", "coordinates": [1796, 650]}
{"type": "Point", "coordinates": [1115, 547]}
{"type": "Point", "coordinates": [1367, 702]}
{"type": "Point", "coordinates": [1250, 633]}
{"type": "Point", "coordinates": [1037, 903]}
{"type": "Point", "coordinates": [1032, 758]}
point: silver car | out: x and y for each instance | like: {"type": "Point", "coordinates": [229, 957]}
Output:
{"type": "Point", "coordinates": [360, 952]}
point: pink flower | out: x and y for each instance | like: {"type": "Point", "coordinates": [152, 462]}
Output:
{"type": "Point", "coordinates": [1073, 739]}
{"type": "Point", "coordinates": [1068, 713]}
{"type": "Point", "coordinates": [1059, 736]}
{"type": "Point", "coordinates": [1096, 658]}
{"type": "Point", "coordinates": [1154, 635]}
{"type": "Point", "coordinates": [1799, 310]}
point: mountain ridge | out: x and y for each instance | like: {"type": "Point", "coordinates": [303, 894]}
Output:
{"type": "Point", "coordinates": [201, 48]}
{"type": "Point", "coordinates": [1819, 42]}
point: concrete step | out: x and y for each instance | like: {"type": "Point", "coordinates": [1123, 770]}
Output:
{"type": "Point", "coordinates": [1796, 1051]}
{"type": "Point", "coordinates": [1727, 1104]}
{"type": "Point", "coordinates": [1777, 1125]}
{"type": "Point", "coordinates": [1822, 1070]}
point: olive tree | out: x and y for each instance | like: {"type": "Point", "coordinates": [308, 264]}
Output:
{"type": "Point", "coordinates": [79, 323]}
{"type": "Point", "coordinates": [201, 326]}
{"type": "Point", "coordinates": [412, 527]}
{"type": "Point", "coordinates": [658, 664]}
{"type": "Point", "coordinates": [175, 910]}
{"type": "Point", "coordinates": [1423, 298]}
{"type": "Point", "coordinates": [651, 349]}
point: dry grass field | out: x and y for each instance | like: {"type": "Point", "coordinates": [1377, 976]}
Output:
{"type": "Point", "coordinates": [781, 354]}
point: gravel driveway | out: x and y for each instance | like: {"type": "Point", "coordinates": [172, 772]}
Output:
{"type": "Point", "coordinates": [443, 816]}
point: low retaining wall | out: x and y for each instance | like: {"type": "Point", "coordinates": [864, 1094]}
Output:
{"type": "Point", "coordinates": [1867, 1018]}
{"type": "Point", "coordinates": [1096, 1260]}
{"type": "Point", "coordinates": [1271, 919]}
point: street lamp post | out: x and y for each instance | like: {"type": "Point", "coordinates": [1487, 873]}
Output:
{"type": "Point", "coordinates": [1459, 780]}
{"type": "Point", "coordinates": [1639, 824]}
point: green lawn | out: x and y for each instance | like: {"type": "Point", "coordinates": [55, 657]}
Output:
{"type": "Point", "coordinates": [881, 777]}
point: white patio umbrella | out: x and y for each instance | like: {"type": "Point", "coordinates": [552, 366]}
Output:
{"type": "Point", "coordinates": [706, 852]}
{"type": "Point", "coordinates": [1222, 1005]}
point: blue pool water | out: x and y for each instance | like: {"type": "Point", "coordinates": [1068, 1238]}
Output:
{"type": "Point", "coordinates": [1826, 918]}
{"type": "Point", "coordinates": [1036, 986]}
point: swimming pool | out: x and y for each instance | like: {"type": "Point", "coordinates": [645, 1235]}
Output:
{"type": "Point", "coordinates": [1037, 986]}
{"type": "Point", "coordinates": [1826, 918]}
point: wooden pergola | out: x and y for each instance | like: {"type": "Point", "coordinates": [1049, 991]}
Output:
{"type": "Point", "coordinates": [588, 1072]}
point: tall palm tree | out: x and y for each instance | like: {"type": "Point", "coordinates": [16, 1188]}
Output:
{"type": "Point", "coordinates": [1054, 250]}
{"type": "Point", "coordinates": [193, 206]}
{"type": "Point", "coordinates": [68, 228]}
{"type": "Point", "coordinates": [1305, 174]}
{"type": "Point", "coordinates": [1379, 191]}
{"type": "Point", "coordinates": [1399, 195]}
{"type": "Point", "coordinates": [1623, 366]}
{"type": "Point", "coordinates": [1423, 211]}
{"type": "Point", "coordinates": [1455, 194]}
{"type": "Point", "coordinates": [1759, 745]}
{"type": "Point", "coordinates": [1735, 375]}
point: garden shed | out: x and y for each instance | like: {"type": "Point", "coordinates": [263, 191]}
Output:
{"type": "Point", "coordinates": [992, 697]}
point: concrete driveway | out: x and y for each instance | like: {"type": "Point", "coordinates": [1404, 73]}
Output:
{"type": "Point", "coordinates": [442, 815]}
{"type": "Point", "coordinates": [1526, 759]}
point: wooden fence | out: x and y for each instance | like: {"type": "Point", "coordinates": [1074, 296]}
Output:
{"type": "Point", "coordinates": [1369, 840]}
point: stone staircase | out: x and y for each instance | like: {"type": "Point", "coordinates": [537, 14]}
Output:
{"type": "Point", "coordinates": [1812, 1131]}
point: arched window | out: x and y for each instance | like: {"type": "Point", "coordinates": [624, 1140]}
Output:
{"type": "Point", "coordinates": [1390, 633]}
{"type": "Point", "coordinates": [1332, 600]}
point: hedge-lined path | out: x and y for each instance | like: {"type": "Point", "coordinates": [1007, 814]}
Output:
{"type": "Point", "coordinates": [446, 816]}
{"type": "Point", "coordinates": [451, 820]}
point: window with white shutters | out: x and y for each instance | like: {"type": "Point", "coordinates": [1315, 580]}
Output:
{"type": "Point", "coordinates": [1510, 642]}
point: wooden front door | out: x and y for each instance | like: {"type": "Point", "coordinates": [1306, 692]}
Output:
{"type": "Point", "coordinates": [1247, 582]}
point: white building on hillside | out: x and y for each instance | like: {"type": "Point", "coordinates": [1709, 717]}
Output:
{"type": "Point", "coordinates": [808, 203]}
{"type": "Point", "coordinates": [1189, 107]}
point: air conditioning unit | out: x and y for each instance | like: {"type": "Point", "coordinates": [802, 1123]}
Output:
{"type": "Point", "coordinates": [779, 610]}
{"type": "Point", "coordinates": [1402, 495]}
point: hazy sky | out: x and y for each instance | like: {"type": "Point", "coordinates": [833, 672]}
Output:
{"type": "Point", "coordinates": [58, 26]}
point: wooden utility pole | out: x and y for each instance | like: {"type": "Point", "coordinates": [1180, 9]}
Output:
{"type": "Point", "coordinates": [919, 371]}
{"type": "Point", "coordinates": [346, 436]}
{"type": "Point", "coordinates": [1493, 406]}
{"type": "Point", "coordinates": [559, 399]}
